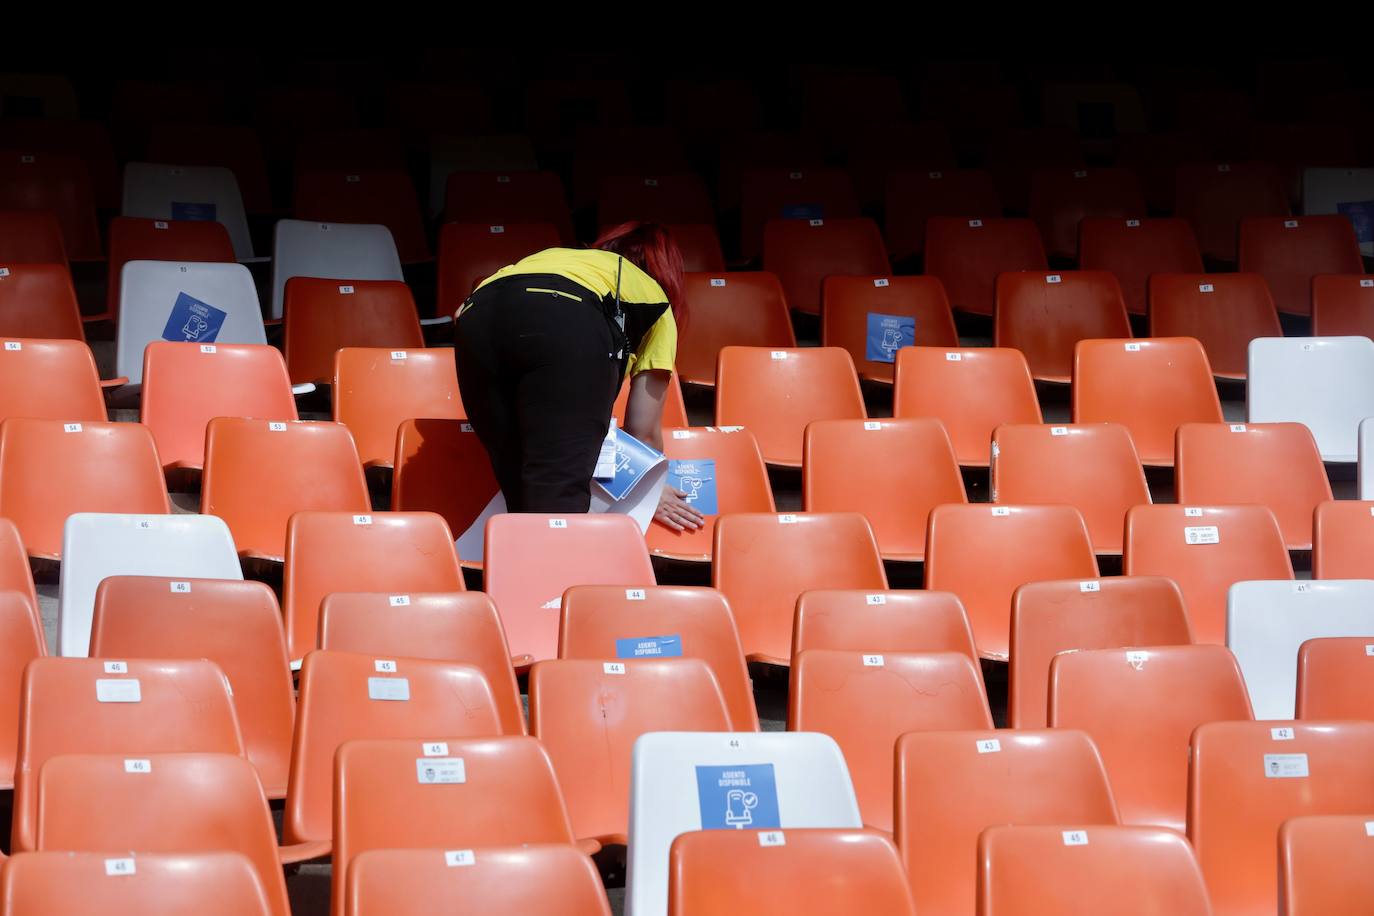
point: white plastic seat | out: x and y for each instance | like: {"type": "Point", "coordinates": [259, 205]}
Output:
{"type": "Point", "coordinates": [152, 307]}
{"type": "Point", "coordinates": [337, 251]}
{"type": "Point", "coordinates": [1267, 622]}
{"type": "Point", "coordinates": [186, 192]}
{"type": "Point", "coordinates": [96, 545]}
{"type": "Point", "coordinates": [782, 780]}
{"type": "Point", "coordinates": [1325, 190]}
{"type": "Point", "coordinates": [1326, 383]}
{"type": "Point", "coordinates": [1366, 458]}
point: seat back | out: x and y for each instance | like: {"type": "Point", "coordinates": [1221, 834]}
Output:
{"type": "Point", "coordinates": [59, 182]}
{"type": "Point", "coordinates": [743, 309]}
{"type": "Point", "coordinates": [189, 192]}
{"type": "Point", "coordinates": [508, 196]}
{"type": "Point", "coordinates": [375, 390]}
{"type": "Point", "coordinates": [772, 191]}
{"type": "Point", "coordinates": [231, 146]}
{"type": "Point", "coordinates": [1343, 539]}
{"type": "Point", "coordinates": [667, 197]}
{"type": "Point", "coordinates": [324, 316]}
{"type": "Point", "coordinates": [1060, 199]}
{"type": "Point", "coordinates": [968, 254]}
{"type": "Point", "coordinates": [37, 300]}
{"type": "Point", "coordinates": [374, 194]}
{"type": "Point", "coordinates": [1342, 305]}
{"type": "Point", "coordinates": [1216, 197]}
{"type": "Point", "coordinates": [874, 317]}
{"type": "Point", "coordinates": [1289, 253]}
{"type": "Point", "coordinates": [1333, 678]}
{"type": "Point", "coordinates": [1325, 383]}
{"type": "Point", "coordinates": [31, 237]}
{"type": "Point", "coordinates": [49, 380]}
{"type": "Point", "coordinates": [21, 641]}
{"type": "Point", "coordinates": [1135, 250]}
{"type": "Point", "coordinates": [803, 252]}
{"type": "Point", "coordinates": [469, 252]}
{"type": "Point", "coordinates": [1044, 315]}
{"type": "Point", "coordinates": [1223, 312]}
{"type": "Point", "coordinates": [338, 251]}
{"type": "Point", "coordinates": [914, 195]}
{"type": "Point", "coordinates": [700, 247]}
{"type": "Point", "coordinates": [442, 467]}
{"type": "Point", "coordinates": [1325, 862]}
{"type": "Point", "coordinates": [15, 574]}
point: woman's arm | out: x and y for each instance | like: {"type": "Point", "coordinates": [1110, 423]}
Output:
{"type": "Point", "coordinates": [644, 411]}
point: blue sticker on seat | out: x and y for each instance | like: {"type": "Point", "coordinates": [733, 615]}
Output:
{"type": "Point", "coordinates": [649, 647]}
{"type": "Point", "coordinates": [738, 797]}
{"type": "Point", "coordinates": [887, 334]}
{"type": "Point", "coordinates": [192, 211]}
{"type": "Point", "coordinates": [1361, 216]}
{"type": "Point", "coordinates": [193, 321]}
{"type": "Point", "coordinates": [696, 478]}
{"type": "Point", "coordinates": [803, 211]}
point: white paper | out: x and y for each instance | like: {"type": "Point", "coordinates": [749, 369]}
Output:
{"type": "Point", "coordinates": [118, 691]}
{"type": "Point", "coordinates": [1285, 766]}
{"type": "Point", "coordinates": [388, 688]}
{"type": "Point", "coordinates": [605, 459]}
{"type": "Point", "coordinates": [440, 771]}
{"type": "Point", "coordinates": [1202, 534]}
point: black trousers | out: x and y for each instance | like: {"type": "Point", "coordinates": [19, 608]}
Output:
{"type": "Point", "coordinates": [539, 371]}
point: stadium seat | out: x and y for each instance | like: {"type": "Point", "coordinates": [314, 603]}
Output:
{"type": "Point", "coordinates": [50, 469]}
{"type": "Point", "coordinates": [57, 182]}
{"type": "Point", "coordinates": [185, 193]}
{"type": "Point", "coordinates": [21, 641]}
{"type": "Point", "coordinates": [971, 391]}
{"type": "Point", "coordinates": [604, 622]}
{"type": "Point", "coordinates": [1029, 871]}
{"type": "Point", "coordinates": [235, 624]}
{"type": "Point", "coordinates": [184, 241]}
{"type": "Point", "coordinates": [730, 477]}
{"type": "Point", "coordinates": [688, 781]}
{"type": "Point", "coordinates": [1333, 677]}
{"type": "Point", "coordinates": [904, 621]}
{"type": "Point", "coordinates": [1289, 253]}
{"type": "Point", "coordinates": [506, 198]}
{"type": "Point", "coordinates": [667, 198]}
{"type": "Point", "coordinates": [803, 253]}
{"type": "Point", "coordinates": [88, 140]}
{"type": "Point", "coordinates": [375, 390]}
{"type": "Point", "coordinates": [866, 702]}
{"type": "Point", "coordinates": [749, 148]}
{"type": "Point", "coordinates": [674, 408]}
{"type": "Point", "coordinates": [1136, 251]}
{"type": "Point", "coordinates": [968, 255]}
{"type": "Point", "coordinates": [1048, 618]}
{"type": "Point", "coordinates": [210, 883]}
{"type": "Point", "coordinates": [231, 146]}
{"type": "Point", "coordinates": [186, 385]}
{"type": "Point", "coordinates": [471, 252]}
{"type": "Point", "coordinates": [1045, 315]}
{"type": "Point", "coordinates": [1328, 190]}
{"type": "Point", "coordinates": [1216, 198]}
{"type": "Point", "coordinates": [136, 104]}
{"type": "Point", "coordinates": [1090, 466]}
{"type": "Point", "coordinates": [1140, 706]}
{"type": "Point", "coordinates": [1015, 153]}
{"type": "Point", "coordinates": [904, 468]}
{"type": "Point", "coordinates": [793, 195]}
{"type": "Point", "coordinates": [600, 152]}
{"type": "Point", "coordinates": [364, 195]}
{"type": "Point", "coordinates": [877, 151]}
{"type": "Point", "coordinates": [775, 393]}
{"type": "Point", "coordinates": [874, 317]}
{"type": "Point", "coordinates": [325, 316]}
{"type": "Point", "coordinates": [1325, 863]}
{"type": "Point", "coordinates": [1223, 312]}
{"type": "Point", "coordinates": [700, 247]}
{"type": "Point", "coordinates": [1273, 464]}
{"type": "Point", "coordinates": [336, 251]}
{"type": "Point", "coordinates": [1295, 146]}
{"type": "Point", "coordinates": [1062, 198]}
{"type": "Point", "coordinates": [1343, 539]}
{"type": "Point", "coordinates": [951, 785]}
{"type": "Point", "coordinates": [442, 467]}
{"type": "Point", "coordinates": [984, 553]}
{"type": "Point", "coordinates": [15, 575]}
{"type": "Point", "coordinates": [31, 237]}
{"type": "Point", "coordinates": [49, 380]}
{"type": "Point", "coordinates": [496, 153]}
{"type": "Point", "coordinates": [38, 301]}
{"type": "Point", "coordinates": [260, 472]}
{"type": "Point", "coordinates": [187, 303]}
{"type": "Point", "coordinates": [1342, 306]}
{"type": "Point", "coordinates": [137, 707]}
{"type": "Point", "coordinates": [344, 148]}
{"type": "Point", "coordinates": [1152, 387]}
{"type": "Point", "coordinates": [460, 627]}
{"type": "Point", "coordinates": [1247, 778]}
{"type": "Point", "coordinates": [719, 872]}
{"type": "Point", "coordinates": [915, 196]}
{"type": "Point", "coordinates": [764, 562]}
{"type": "Point", "coordinates": [739, 309]}
{"type": "Point", "coordinates": [1325, 383]}
{"type": "Point", "coordinates": [1205, 550]}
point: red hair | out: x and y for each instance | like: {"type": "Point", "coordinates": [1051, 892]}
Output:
{"type": "Point", "coordinates": [651, 248]}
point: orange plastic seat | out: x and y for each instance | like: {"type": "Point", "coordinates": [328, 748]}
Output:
{"type": "Point", "coordinates": [38, 300]}
{"type": "Point", "coordinates": [210, 884]}
{"type": "Point", "coordinates": [867, 701]}
{"type": "Point", "coordinates": [259, 472]}
{"type": "Point", "coordinates": [1141, 706]}
{"type": "Point", "coordinates": [1048, 618]}
{"type": "Point", "coordinates": [1246, 544]}
{"type": "Point", "coordinates": [1343, 306]}
{"type": "Point", "coordinates": [135, 239]}
{"type": "Point", "coordinates": [458, 627]}
{"type": "Point", "coordinates": [968, 254]}
{"type": "Point", "coordinates": [1092, 467]}
{"type": "Point", "coordinates": [739, 309]}
{"type": "Point", "coordinates": [1215, 198]}
{"type": "Point", "coordinates": [187, 385]}
{"type": "Point", "coordinates": [674, 408]}
{"type": "Point", "coordinates": [914, 196]}
{"type": "Point", "coordinates": [581, 703]}
{"type": "Point", "coordinates": [1016, 152]}
{"type": "Point", "coordinates": [803, 253]}
{"type": "Point", "coordinates": [951, 785]}
{"type": "Point", "coordinates": [442, 467]}
{"type": "Point", "coordinates": [1060, 199]}
{"type": "Point", "coordinates": [984, 553]}
{"type": "Point", "coordinates": [323, 316]}
{"type": "Point", "coordinates": [1326, 864]}
{"type": "Point", "coordinates": [58, 182]}
{"type": "Point", "coordinates": [892, 621]}
{"type": "Point", "coordinates": [775, 393]}
{"type": "Point", "coordinates": [700, 247]}
{"type": "Point", "coordinates": [15, 574]}
{"type": "Point", "coordinates": [856, 310]}
{"type": "Point", "coordinates": [794, 195]}
{"type": "Point", "coordinates": [605, 622]}
{"type": "Point", "coordinates": [665, 198]}
{"type": "Point", "coordinates": [1224, 312]}
{"type": "Point", "coordinates": [1273, 464]}
{"type": "Point", "coordinates": [393, 552]}
{"type": "Point", "coordinates": [31, 237]}
{"type": "Point", "coordinates": [471, 252]}
{"type": "Point", "coordinates": [504, 198]}
{"type": "Point", "coordinates": [544, 878]}
{"type": "Point", "coordinates": [1334, 678]}
{"type": "Point", "coordinates": [49, 380]}
{"type": "Point", "coordinates": [1247, 778]}
{"type": "Point", "coordinates": [764, 562]}
{"type": "Point", "coordinates": [1152, 387]}
{"type": "Point", "coordinates": [1044, 315]}
{"type": "Point", "coordinates": [376, 390]}
{"type": "Point", "coordinates": [378, 195]}
{"type": "Point", "coordinates": [815, 870]}
{"type": "Point", "coordinates": [741, 485]}
{"type": "Point", "coordinates": [908, 467]}
{"type": "Point", "coordinates": [236, 625]}
{"type": "Point", "coordinates": [105, 706]}
{"type": "Point", "coordinates": [1290, 253]}
{"type": "Point", "coordinates": [972, 391]}
{"type": "Point", "coordinates": [50, 469]}
{"type": "Point", "coordinates": [1343, 540]}
{"type": "Point", "coordinates": [21, 641]}
{"type": "Point", "coordinates": [1136, 250]}
{"type": "Point", "coordinates": [1035, 871]}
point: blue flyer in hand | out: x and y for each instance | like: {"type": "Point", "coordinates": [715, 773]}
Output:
{"type": "Point", "coordinates": [193, 321]}
{"type": "Point", "coordinates": [887, 334]}
{"type": "Point", "coordinates": [192, 211]}
{"type": "Point", "coordinates": [1361, 215]}
{"type": "Point", "coordinates": [696, 478]}
{"type": "Point", "coordinates": [633, 459]}
{"type": "Point", "coordinates": [743, 797]}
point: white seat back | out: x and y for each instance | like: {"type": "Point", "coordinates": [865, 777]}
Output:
{"type": "Point", "coordinates": [335, 251]}
{"type": "Point", "coordinates": [1326, 383]}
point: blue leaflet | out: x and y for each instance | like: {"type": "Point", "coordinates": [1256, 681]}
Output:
{"type": "Point", "coordinates": [1361, 214]}
{"type": "Point", "coordinates": [193, 321]}
{"type": "Point", "coordinates": [887, 334]}
{"type": "Point", "coordinates": [633, 459]}
{"type": "Point", "coordinates": [192, 211]}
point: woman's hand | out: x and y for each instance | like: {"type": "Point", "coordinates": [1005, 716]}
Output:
{"type": "Point", "coordinates": [676, 513]}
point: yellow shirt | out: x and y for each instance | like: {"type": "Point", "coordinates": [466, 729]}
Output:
{"type": "Point", "coordinates": [658, 349]}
